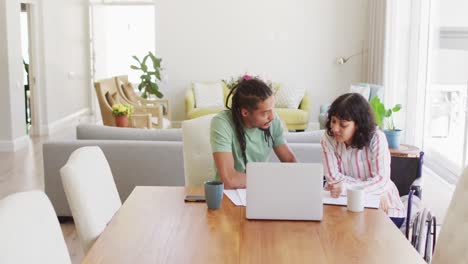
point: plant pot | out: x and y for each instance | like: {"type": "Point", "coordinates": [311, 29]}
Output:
{"type": "Point", "coordinates": [393, 138]}
{"type": "Point", "coordinates": [121, 120]}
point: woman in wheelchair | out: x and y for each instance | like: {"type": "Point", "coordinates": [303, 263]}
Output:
{"type": "Point", "coordinates": [355, 153]}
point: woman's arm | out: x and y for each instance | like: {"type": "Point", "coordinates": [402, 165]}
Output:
{"type": "Point", "coordinates": [378, 159]}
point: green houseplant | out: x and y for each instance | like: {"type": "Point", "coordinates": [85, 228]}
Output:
{"type": "Point", "coordinates": [150, 75]}
{"type": "Point", "coordinates": [384, 119]}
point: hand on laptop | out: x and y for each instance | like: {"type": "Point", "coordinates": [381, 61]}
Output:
{"type": "Point", "coordinates": [335, 189]}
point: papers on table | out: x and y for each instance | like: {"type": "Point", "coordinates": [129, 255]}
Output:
{"type": "Point", "coordinates": [371, 201]}
{"type": "Point", "coordinates": [238, 197]}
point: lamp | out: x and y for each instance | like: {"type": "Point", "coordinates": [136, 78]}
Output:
{"type": "Point", "coordinates": [343, 60]}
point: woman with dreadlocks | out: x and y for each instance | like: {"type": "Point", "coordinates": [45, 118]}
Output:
{"type": "Point", "coordinates": [246, 132]}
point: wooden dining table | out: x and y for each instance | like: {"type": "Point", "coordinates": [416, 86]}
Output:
{"type": "Point", "coordinates": [155, 225]}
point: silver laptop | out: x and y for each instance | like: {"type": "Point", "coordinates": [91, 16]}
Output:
{"type": "Point", "coordinates": [284, 191]}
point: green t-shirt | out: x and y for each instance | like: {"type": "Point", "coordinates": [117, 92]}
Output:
{"type": "Point", "coordinates": [223, 139]}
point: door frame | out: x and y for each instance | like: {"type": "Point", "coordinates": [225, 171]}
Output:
{"type": "Point", "coordinates": [35, 69]}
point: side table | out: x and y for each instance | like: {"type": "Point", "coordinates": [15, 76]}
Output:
{"type": "Point", "coordinates": [406, 167]}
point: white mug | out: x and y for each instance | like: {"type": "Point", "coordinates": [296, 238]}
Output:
{"type": "Point", "coordinates": [355, 195]}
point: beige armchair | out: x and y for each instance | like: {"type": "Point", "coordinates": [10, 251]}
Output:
{"type": "Point", "coordinates": [108, 95]}
{"type": "Point", "coordinates": [126, 91]}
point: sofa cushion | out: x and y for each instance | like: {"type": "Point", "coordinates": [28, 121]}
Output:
{"type": "Point", "coordinates": [208, 94]}
{"type": "Point", "coordinates": [362, 90]}
{"type": "Point", "coordinates": [98, 132]}
{"type": "Point", "coordinates": [197, 112]}
{"type": "Point", "coordinates": [293, 116]}
{"type": "Point", "coordinates": [288, 97]}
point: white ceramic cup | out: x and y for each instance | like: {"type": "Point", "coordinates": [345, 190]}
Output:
{"type": "Point", "coordinates": [355, 198]}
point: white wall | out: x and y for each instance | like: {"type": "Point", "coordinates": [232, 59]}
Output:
{"type": "Point", "coordinates": [11, 75]}
{"type": "Point", "coordinates": [295, 42]}
{"type": "Point", "coordinates": [66, 57]}
{"type": "Point", "coordinates": [63, 65]}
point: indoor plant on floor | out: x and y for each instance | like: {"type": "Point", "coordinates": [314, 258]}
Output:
{"type": "Point", "coordinates": [150, 75]}
{"type": "Point", "coordinates": [121, 113]}
{"type": "Point", "coordinates": [384, 115]}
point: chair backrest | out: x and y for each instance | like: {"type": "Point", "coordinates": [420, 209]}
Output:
{"type": "Point", "coordinates": [91, 192]}
{"type": "Point", "coordinates": [128, 95]}
{"type": "Point", "coordinates": [198, 157]}
{"type": "Point", "coordinates": [106, 90]}
{"type": "Point", "coordinates": [30, 231]}
{"type": "Point", "coordinates": [453, 239]}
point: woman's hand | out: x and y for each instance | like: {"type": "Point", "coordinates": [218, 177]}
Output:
{"type": "Point", "coordinates": [335, 189]}
{"type": "Point", "coordinates": [384, 203]}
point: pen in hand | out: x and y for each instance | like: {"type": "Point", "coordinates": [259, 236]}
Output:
{"type": "Point", "coordinates": [335, 189]}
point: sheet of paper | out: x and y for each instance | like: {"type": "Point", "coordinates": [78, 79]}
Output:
{"type": "Point", "coordinates": [237, 196]}
{"type": "Point", "coordinates": [234, 197]}
{"type": "Point", "coordinates": [371, 201]}
{"type": "Point", "coordinates": [243, 196]}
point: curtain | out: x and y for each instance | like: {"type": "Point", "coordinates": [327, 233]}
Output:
{"type": "Point", "coordinates": [376, 44]}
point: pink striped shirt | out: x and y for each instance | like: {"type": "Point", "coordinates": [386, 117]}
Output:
{"type": "Point", "coordinates": [368, 167]}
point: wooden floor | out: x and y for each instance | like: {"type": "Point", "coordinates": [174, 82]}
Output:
{"type": "Point", "coordinates": [23, 170]}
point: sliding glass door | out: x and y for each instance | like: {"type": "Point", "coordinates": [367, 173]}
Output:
{"type": "Point", "coordinates": [445, 134]}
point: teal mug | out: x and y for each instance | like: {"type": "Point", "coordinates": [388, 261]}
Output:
{"type": "Point", "coordinates": [214, 194]}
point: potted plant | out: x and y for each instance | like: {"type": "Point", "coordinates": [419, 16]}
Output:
{"type": "Point", "coordinates": [148, 79]}
{"type": "Point", "coordinates": [385, 115]}
{"type": "Point", "coordinates": [121, 112]}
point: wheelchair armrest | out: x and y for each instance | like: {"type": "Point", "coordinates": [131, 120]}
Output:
{"type": "Point", "coordinates": [417, 190]}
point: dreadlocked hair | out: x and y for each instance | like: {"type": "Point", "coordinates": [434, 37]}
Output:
{"type": "Point", "coordinates": [246, 94]}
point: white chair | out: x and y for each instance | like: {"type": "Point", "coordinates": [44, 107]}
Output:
{"type": "Point", "coordinates": [30, 231]}
{"type": "Point", "coordinates": [198, 157]}
{"type": "Point", "coordinates": [452, 244]}
{"type": "Point", "coordinates": [91, 193]}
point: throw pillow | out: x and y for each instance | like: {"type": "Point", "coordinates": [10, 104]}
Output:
{"type": "Point", "coordinates": [129, 92]}
{"type": "Point", "coordinates": [112, 98]}
{"type": "Point", "coordinates": [362, 90]}
{"type": "Point", "coordinates": [208, 94]}
{"type": "Point", "coordinates": [288, 97]}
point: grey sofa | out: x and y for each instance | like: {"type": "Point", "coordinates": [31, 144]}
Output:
{"type": "Point", "coordinates": [140, 157]}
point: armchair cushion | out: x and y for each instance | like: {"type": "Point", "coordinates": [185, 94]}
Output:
{"type": "Point", "coordinates": [112, 98]}
{"type": "Point", "coordinates": [362, 90]}
{"type": "Point", "coordinates": [288, 97]}
{"type": "Point", "coordinates": [293, 116]}
{"type": "Point", "coordinates": [208, 94]}
{"type": "Point", "coordinates": [197, 112]}
{"type": "Point", "coordinates": [127, 89]}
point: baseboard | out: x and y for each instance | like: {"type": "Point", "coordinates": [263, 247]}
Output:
{"type": "Point", "coordinates": [14, 145]}
{"type": "Point", "coordinates": [64, 122]}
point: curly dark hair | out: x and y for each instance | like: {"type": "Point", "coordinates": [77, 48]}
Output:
{"type": "Point", "coordinates": [246, 94]}
{"type": "Point", "coordinates": [354, 107]}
